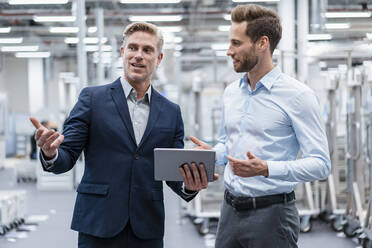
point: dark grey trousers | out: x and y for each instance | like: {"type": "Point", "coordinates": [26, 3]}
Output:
{"type": "Point", "coordinates": [276, 226]}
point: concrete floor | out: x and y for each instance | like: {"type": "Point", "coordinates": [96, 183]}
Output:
{"type": "Point", "coordinates": [58, 205]}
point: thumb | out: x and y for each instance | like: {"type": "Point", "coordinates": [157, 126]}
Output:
{"type": "Point", "coordinates": [250, 155]}
{"type": "Point", "coordinates": [195, 141]}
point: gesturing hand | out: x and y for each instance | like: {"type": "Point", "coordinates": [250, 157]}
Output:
{"type": "Point", "coordinates": [200, 145]}
{"type": "Point", "coordinates": [47, 140]}
{"type": "Point", "coordinates": [251, 167]}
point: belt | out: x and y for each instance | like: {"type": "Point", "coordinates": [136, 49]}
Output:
{"type": "Point", "coordinates": [247, 203]}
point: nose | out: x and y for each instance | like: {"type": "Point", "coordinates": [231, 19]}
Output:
{"type": "Point", "coordinates": [229, 51]}
{"type": "Point", "coordinates": [138, 55]}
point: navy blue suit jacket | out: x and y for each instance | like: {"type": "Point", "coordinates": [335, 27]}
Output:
{"type": "Point", "coordinates": [118, 182]}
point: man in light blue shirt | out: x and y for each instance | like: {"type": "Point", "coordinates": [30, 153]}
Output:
{"type": "Point", "coordinates": [268, 118]}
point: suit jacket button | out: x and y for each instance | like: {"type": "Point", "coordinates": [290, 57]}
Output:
{"type": "Point", "coordinates": [136, 156]}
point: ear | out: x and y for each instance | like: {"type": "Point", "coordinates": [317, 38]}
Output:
{"type": "Point", "coordinates": [122, 50]}
{"type": "Point", "coordinates": [160, 58]}
{"type": "Point", "coordinates": [263, 43]}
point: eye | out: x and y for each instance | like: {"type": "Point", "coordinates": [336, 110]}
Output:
{"type": "Point", "coordinates": [148, 50]}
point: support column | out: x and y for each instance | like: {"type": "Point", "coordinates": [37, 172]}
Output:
{"type": "Point", "coordinates": [100, 32]}
{"type": "Point", "coordinates": [302, 32]}
{"type": "Point", "coordinates": [287, 44]}
{"type": "Point", "coordinates": [81, 52]}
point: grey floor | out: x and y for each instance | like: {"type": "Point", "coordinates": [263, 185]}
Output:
{"type": "Point", "coordinates": [54, 232]}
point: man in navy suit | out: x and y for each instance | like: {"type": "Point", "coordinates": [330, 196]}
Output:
{"type": "Point", "coordinates": [119, 204]}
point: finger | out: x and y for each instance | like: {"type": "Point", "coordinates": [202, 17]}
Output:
{"type": "Point", "coordinates": [195, 140]}
{"type": "Point", "coordinates": [44, 136]}
{"type": "Point", "coordinates": [215, 176]}
{"type": "Point", "coordinates": [196, 175]}
{"type": "Point", "coordinates": [250, 155]}
{"type": "Point", "coordinates": [50, 140]}
{"type": "Point", "coordinates": [57, 142]}
{"type": "Point", "coordinates": [189, 176]}
{"type": "Point", "coordinates": [203, 175]}
{"type": "Point", "coordinates": [35, 122]}
{"type": "Point", "coordinates": [185, 180]}
{"type": "Point", "coordinates": [39, 132]}
{"type": "Point", "coordinates": [231, 159]}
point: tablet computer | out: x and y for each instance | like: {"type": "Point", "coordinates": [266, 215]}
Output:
{"type": "Point", "coordinates": [168, 160]}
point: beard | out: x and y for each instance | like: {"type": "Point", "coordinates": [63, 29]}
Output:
{"type": "Point", "coordinates": [247, 63]}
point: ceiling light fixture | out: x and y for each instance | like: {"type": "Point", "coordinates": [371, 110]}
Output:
{"type": "Point", "coordinates": [254, 1]}
{"type": "Point", "coordinates": [337, 25]}
{"type": "Point", "coordinates": [19, 48]}
{"type": "Point", "coordinates": [220, 46]}
{"type": "Point", "coordinates": [319, 37]}
{"type": "Point", "coordinates": [148, 1]}
{"type": "Point", "coordinates": [64, 30]}
{"type": "Point", "coordinates": [227, 17]}
{"type": "Point", "coordinates": [54, 18]}
{"type": "Point", "coordinates": [348, 14]}
{"type": "Point", "coordinates": [11, 40]}
{"type": "Point", "coordinates": [5, 30]}
{"type": "Point", "coordinates": [17, 2]}
{"type": "Point", "coordinates": [369, 36]}
{"type": "Point", "coordinates": [33, 55]}
{"type": "Point", "coordinates": [87, 40]}
{"type": "Point", "coordinates": [92, 29]}
{"type": "Point", "coordinates": [224, 28]}
{"type": "Point", "coordinates": [156, 18]}
{"type": "Point", "coordinates": [172, 29]}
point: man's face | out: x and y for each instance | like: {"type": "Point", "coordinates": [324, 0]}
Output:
{"type": "Point", "coordinates": [140, 57]}
{"type": "Point", "coordinates": [241, 49]}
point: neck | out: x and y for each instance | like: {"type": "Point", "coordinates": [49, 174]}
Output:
{"type": "Point", "coordinates": [259, 71]}
{"type": "Point", "coordinates": [140, 87]}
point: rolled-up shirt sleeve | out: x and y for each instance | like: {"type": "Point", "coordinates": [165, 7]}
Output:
{"type": "Point", "coordinates": [307, 124]}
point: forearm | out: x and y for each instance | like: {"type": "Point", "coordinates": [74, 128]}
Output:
{"type": "Point", "coordinates": [301, 170]}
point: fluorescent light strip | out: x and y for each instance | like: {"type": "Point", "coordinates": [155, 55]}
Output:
{"type": "Point", "coordinates": [319, 37]}
{"type": "Point", "coordinates": [148, 1]}
{"type": "Point", "coordinates": [348, 14]}
{"type": "Point", "coordinates": [54, 18]}
{"type": "Point", "coordinates": [87, 40]}
{"type": "Point", "coordinates": [369, 36]}
{"type": "Point", "coordinates": [11, 40]}
{"type": "Point", "coordinates": [227, 17]}
{"type": "Point", "coordinates": [19, 48]}
{"type": "Point", "coordinates": [17, 2]}
{"type": "Point", "coordinates": [337, 25]}
{"type": "Point", "coordinates": [63, 30]}
{"type": "Point", "coordinates": [254, 1]}
{"type": "Point", "coordinates": [174, 29]}
{"type": "Point", "coordinates": [156, 18]}
{"type": "Point", "coordinates": [92, 29]}
{"type": "Point", "coordinates": [95, 48]}
{"type": "Point", "coordinates": [33, 55]}
{"type": "Point", "coordinates": [220, 46]}
{"type": "Point", "coordinates": [221, 53]}
{"type": "Point", "coordinates": [224, 28]}
{"type": "Point", "coordinates": [5, 30]}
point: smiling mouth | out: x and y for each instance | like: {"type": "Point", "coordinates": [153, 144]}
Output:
{"type": "Point", "coordinates": [137, 65]}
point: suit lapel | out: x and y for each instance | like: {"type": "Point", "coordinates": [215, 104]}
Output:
{"type": "Point", "coordinates": [118, 96]}
{"type": "Point", "coordinates": [156, 105]}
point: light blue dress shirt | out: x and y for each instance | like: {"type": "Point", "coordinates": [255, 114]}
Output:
{"type": "Point", "coordinates": [275, 121]}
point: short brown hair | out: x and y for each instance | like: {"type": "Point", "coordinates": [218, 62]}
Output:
{"type": "Point", "coordinates": [143, 27]}
{"type": "Point", "coordinates": [261, 22]}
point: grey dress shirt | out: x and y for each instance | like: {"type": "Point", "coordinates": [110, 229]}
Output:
{"type": "Point", "coordinates": [139, 109]}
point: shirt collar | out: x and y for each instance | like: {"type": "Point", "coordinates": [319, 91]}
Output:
{"type": "Point", "coordinates": [128, 89]}
{"type": "Point", "coordinates": [267, 81]}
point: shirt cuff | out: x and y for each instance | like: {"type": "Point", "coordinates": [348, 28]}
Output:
{"type": "Point", "coordinates": [221, 158]}
{"type": "Point", "coordinates": [49, 163]}
{"type": "Point", "coordinates": [189, 193]}
{"type": "Point", "coordinates": [277, 169]}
